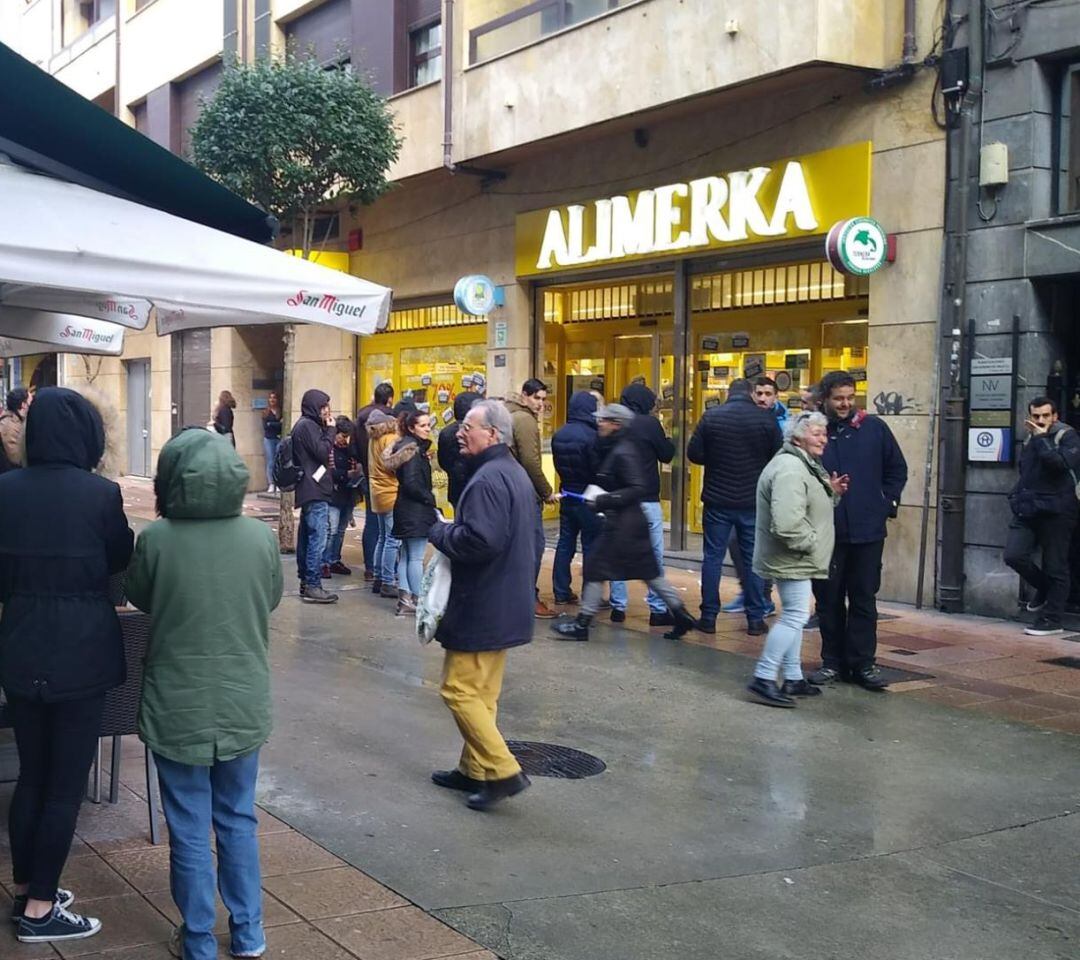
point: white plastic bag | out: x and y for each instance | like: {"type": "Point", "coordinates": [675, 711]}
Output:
{"type": "Point", "coordinates": [434, 594]}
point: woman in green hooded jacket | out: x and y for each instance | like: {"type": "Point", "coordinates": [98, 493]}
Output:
{"type": "Point", "coordinates": [793, 544]}
{"type": "Point", "coordinates": [209, 578]}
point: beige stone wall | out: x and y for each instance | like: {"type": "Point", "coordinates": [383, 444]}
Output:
{"type": "Point", "coordinates": [168, 41]}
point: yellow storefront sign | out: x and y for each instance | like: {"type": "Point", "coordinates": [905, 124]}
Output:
{"type": "Point", "coordinates": [796, 197]}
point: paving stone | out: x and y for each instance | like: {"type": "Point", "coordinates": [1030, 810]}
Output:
{"type": "Point", "coordinates": [1012, 710]}
{"type": "Point", "coordinates": [1061, 680]}
{"type": "Point", "coordinates": [275, 913]}
{"type": "Point", "coordinates": [145, 951]}
{"type": "Point", "coordinates": [127, 921]}
{"type": "Point", "coordinates": [405, 933]}
{"type": "Point", "coordinates": [1000, 669]}
{"type": "Point", "coordinates": [146, 870]}
{"type": "Point", "coordinates": [92, 878]}
{"type": "Point", "coordinates": [268, 823]}
{"type": "Point", "coordinates": [297, 941]}
{"type": "Point", "coordinates": [950, 697]}
{"type": "Point", "coordinates": [10, 948]}
{"type": "Point", "coordinates": [292, 853]}
{"type": "Point", "coordinates": [1059, 703]}
{"type": "Point", "coordinates": [332, 893]}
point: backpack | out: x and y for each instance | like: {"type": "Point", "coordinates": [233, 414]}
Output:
{"type": "Point", "coordinates": [287, 474]}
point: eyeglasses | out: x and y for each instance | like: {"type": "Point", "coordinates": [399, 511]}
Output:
{"type": "Point", "coordinates": [467, 427]}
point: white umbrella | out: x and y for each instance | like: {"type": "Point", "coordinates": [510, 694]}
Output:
{"type": "Point", "coordinates": [68, 249]}
{"type": "Point", "coordinates": [24, 332]}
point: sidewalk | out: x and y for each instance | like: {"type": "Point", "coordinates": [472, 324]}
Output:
{"type": "Point", "coordinates": [975, 663]}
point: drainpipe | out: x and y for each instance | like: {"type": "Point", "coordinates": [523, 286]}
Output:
{"type": "Point", "coordinates": [449, 39]}
{"type": "Point", "coordinates": [909, 31]}
{"type": "Point", "coordinates": [953, 470]}
{"type": "Point", "coordinates": [118, 101]}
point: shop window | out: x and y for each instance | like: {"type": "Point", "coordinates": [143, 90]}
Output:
{"type": "Point", "coordinates": [424, 318]}
{"type": "Point", "coordinates": [425, 54]}
{"type": "Point", "coordinates": [522, 23]}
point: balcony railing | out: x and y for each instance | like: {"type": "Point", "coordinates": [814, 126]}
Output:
{"type": "Point", "coordinates": [532, 22]}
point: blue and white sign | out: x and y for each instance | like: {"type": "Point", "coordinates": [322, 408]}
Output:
{"type": "Point", "coordinates": [989, 444]}
{"type": "Point", "coordinates": [475, 295]}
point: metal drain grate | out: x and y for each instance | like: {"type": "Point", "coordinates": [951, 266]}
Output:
{"type": "Point", "coordinates": [899, 675]}
{"type": "Point", "coordinates": [553, 760]}
{"type": "Point", "coordinates": [1071, 662]}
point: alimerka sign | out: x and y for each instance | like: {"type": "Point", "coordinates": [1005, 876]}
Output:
{"type": "Point", "coordinates": [797, 197]}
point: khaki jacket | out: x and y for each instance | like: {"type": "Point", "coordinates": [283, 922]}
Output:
{"type": "Point", "coordinates": [384, 461]}
{"type": "Point", "coordinates": [794, 536]}
{"type": "Point", "coordinates": [525, 445]}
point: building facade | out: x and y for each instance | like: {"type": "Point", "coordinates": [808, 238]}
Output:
{"type": "Point", "coordinates": [647, 182]}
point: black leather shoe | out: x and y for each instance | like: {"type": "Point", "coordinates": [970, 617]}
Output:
{"type": "Point", "coordinates": [800, 688]}
{"type": "Point", "coordinates": [664, 619]}
{"type": "Point", "coordinates": [869, 678]}
{"type": "Point", "coordinates": [767, 692]}
{"type": "Point", "coordinates": [376, 585]}
{"type": "Point", "coordinates": [617, 615]}
{"type": "Point", "coordinates": [707, 625]}
{"type": "Point", "coordinates": [456, 780]}
{"type": "Point", "coordinates": [576, 629]}
{"type": "Point", "coordinates": [683, 621]}
{"type": "Point", "coordinates": [757, 628]}
{"type": "Point", "coordinates": [493, 791]}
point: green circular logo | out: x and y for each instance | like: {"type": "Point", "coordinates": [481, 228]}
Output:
{"type": "Point", "coordinates": [858, 246]}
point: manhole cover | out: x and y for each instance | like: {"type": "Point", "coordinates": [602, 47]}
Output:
{"type": "Point", "coordinates": [553, 760]}
{"type": "Point", "coordinates": [899, 675]}
{"type": "Point", "coordinates": [1071, 662]}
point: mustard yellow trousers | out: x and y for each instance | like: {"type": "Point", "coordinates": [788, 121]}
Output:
{"type": "Point", "coordinates": [471, 683]}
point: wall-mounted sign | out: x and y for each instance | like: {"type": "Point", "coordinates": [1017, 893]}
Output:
{"type": "Point", "coordinates": [501, 334]}
{"type": "Point", "coordinates": [753, 365]}
{"type": "Point", "coordinates": [857, 246]}
{"type": "Point", "coordinates": [989, 444]}
{"type": "Point", "coordinates": [981, 366]}
{"type": "Point", "coordinates": [475, 295]}
{"type": "Point", "coordinates": [721, 372]}
{"type": "Point", "coordinates": [740, 341]}
{"type": "Point", "coordinates": [991, 393]}
{"type": "Point", "coordinates": [796, 361]}
{"type": "Point", "coordinates": [710, 343]}
{"type": "Point", "coordinates": [795, 197]}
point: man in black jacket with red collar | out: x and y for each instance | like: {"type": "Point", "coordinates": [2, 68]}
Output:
{"type": "Point", "coordinates": [862, 448]}
{"type": "Point", "coordinates": [312, 451]}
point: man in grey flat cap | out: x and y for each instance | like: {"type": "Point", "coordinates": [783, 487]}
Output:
{"type": "Point", "coordinates": [623, 549]}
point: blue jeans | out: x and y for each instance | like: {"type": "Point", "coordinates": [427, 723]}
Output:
{"type": "Point", "coordinates": [370, 538]}
{"type": "Point", "coordinates": [269, 451]}
{"type": "Point", "coordinates": [654, 515]}
{"type": "Point", "coordinates": [311, 542]}
{"type": "Point", "coordinates": [783, 645]}
{"type": "Point", "coordinates": [339, 518]}
{"type": "Point", "coordinates": [574, 518]}
{"type": "Point", "coordinates": [386, 550]}
{"type": "Point", "coordinates": [410, 567]}
{"type": "Point", "coordinates": [718, 525]}
{"type": "Point", "coordinates": [223, 795]}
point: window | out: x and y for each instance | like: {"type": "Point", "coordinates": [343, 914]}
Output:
{"type": "Point", "coordinates": [530, 21]}
{"type": "Point", "coordinates": [96, 10]}
{"type": "Point", "coordinates": [1071, 143]}
{"type": "Point", "coordinates": [425, 54]}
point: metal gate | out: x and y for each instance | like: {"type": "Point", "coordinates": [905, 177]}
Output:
{"type": "Point", "coordinates": [138, 417]}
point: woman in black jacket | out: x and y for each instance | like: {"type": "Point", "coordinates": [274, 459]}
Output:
{"type": "Point", "coordinates": [223, 415]}
{"type": "Point", "coordinates": [63, 532]}
{"type": "Point", "coordinates": [622, 550]}
{"type": "Point", "coordinates": [414, 509]}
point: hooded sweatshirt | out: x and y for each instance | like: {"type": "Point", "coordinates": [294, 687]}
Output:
{"type": "Point", "coordinates": [450, 458]}
{"type": "Point", "coordinates": [209, 578]}
{"type": "Point", "coordinates": [656, 446]}
{"type": "Point", "coordinates": [62, 534]}
{"type": "Point", "coordinates": [574, 446]}
{"type": "Point", "coordinates": [313, 448]}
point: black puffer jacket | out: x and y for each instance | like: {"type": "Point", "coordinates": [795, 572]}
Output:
{"type": "Point", "coordinates": [450, 458]}
{"type": "Point", "coordinates": [312, 446]}
{"type": "Point", "coordinates": [622, 550]}
{"type": "Point", "coordinates": [63, 532]}
{"type": "Point", "coordinates": [414, 509]}
{"type": "Point", "coordinates": [1045, 485]}
{"type": "Point", "coordinates": [574, 445]}
{"type": "Point", "coordinates": [734, 442]}
{"type": "Point", "coordinates": [656, 446]}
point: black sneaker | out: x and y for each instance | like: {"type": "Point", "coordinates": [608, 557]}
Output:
{"type": "Point", "coordinates": [869, 678]}
{"type": "Point", "coordinates": [707, 625]}
{"type": "Point", "coordinates": [64, 898]}
{"type": "Point", "coordinates": [664, 619]}
{"type": "Point", "coordinates": [824, 676]}
{"type": "Point", "coordinates": [318, 595]}
{"type": "Point", "coordinates": [1037, 602]}
{"type": "Point", "coordinates": [576, 629]}
{"type": "Point", "coordinates": [757, 628]}
{"type": "Point", "coordinates": [617, 615]}
{"type": "Point", "coordinates": [1044, 627]}
{"type": "Point", "coordinates": [58, 925]}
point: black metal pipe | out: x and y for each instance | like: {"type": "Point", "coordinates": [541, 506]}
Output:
{"type": "Point", "coordinates": [909, 31]}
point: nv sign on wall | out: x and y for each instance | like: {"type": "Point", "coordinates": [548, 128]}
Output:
{"type": "Point", "coordinates": [797, 197]}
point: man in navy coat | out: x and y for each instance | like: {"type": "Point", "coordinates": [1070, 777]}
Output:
{"type": "Point", "coordinates": [863, 448]}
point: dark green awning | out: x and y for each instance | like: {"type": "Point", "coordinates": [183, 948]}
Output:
{"type": "Point", "coordinates": [46, 125]}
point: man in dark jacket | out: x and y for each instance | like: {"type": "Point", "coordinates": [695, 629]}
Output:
{"type": "Point", "coordinates": [573, 448]}
{"type": "Point", "coordinates": [346, 474]}
{"type": "Point", "coordinates": [312, 452]}
{"type": "Point", "coordinates": [1045, 510]}
{"type": "Point", "coordinates": [623, 549]}
{"type": "Point", "coordinates": [863, 449]}
{"type": "Point", "coordinates": [382, 400]}
{"type": "Point", "coordinates": [655, 447]}
{"type": "Point", "coordinates": [734, 442]}
{"type": "Point", "coordinates": [62, 534]}
{"type": "Point", "coordinates": [491, 546]}
{"type": "Point", "coordinates": [450, 459]}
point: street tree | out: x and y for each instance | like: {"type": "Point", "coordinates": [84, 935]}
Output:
{"type": "Point", "coordinates": [296, 138]}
